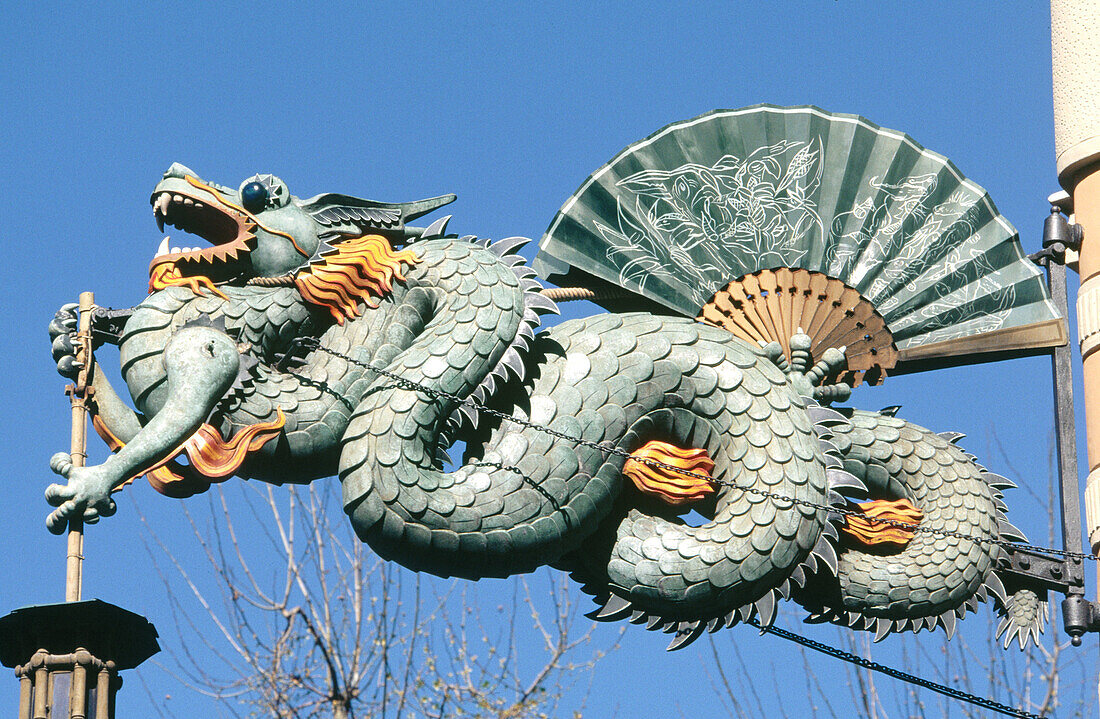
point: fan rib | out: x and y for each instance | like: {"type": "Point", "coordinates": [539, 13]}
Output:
{"type": "Point", "coordinates": [772, 305]}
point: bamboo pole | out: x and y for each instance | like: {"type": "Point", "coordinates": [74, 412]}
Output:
{"type": "Point", "coordinates": [78, 397]}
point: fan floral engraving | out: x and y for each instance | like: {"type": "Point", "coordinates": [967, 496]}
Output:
{"type": "Point", "coordinates": [699, 220]}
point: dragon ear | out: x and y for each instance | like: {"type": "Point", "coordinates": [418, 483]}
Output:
{"type": "Point", "coordinates": [332, 210]}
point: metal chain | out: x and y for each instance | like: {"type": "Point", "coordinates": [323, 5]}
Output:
{"type": "Point", "coordinates": [314, 343]}
{"type": "Point", "coordinates": [947, 691]}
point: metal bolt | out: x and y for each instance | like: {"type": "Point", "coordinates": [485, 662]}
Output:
{"type": "Point", "coordinates": [1025, 563]}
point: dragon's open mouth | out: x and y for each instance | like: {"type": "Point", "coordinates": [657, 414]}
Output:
{"type": "Point", "coordinates": [200, 210]}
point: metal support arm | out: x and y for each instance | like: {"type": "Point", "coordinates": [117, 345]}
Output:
{"type": "Point", "coordinates": [1078, 614]}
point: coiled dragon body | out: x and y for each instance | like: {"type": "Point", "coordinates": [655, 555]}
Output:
{"type": "Point", "coordinates": [451, 322]}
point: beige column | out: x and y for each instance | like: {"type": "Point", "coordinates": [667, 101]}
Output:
{"type": "Point", "coordinates": [1075, 45]}
{"type": "Point", "coordinates": [1075, 52]}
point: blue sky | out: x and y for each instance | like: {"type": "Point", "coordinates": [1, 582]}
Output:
{"type": "Point", "coordinates": [509, 105]}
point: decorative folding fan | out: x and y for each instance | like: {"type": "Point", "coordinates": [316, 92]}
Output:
{"type": "Point", "coordinates": [822, 221]}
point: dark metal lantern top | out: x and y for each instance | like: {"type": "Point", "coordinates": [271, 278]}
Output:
{"type": "Point", "coordinates": [109, 632]}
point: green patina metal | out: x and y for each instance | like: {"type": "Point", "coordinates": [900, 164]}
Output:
{"type": "Point", "coordinates": [462, 322]}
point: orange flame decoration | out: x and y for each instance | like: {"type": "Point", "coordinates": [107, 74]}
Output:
{"type": "Point", "coordinates": [668, 485]}
{"type": "Point", "coordinates": [868, 532]}
{"type": "Point", "coordinates": [360, 267]}
{"type": "Point", "coordinates": [212, 458]}
{"type": "Point", "coordinates": [168, 275]}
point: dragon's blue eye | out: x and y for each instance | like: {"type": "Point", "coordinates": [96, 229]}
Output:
{"type": "Point", "coordinates": [254, 197]}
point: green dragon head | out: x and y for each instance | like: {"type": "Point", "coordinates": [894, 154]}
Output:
{"type": "Point", "coordinates": [260, 230]}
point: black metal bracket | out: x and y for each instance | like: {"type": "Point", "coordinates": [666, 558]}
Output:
{"type": "Point", "coordinates": [1039, 572]}
{"type": "Point", "coordinates": [107, 324]}
{"type": "Point", "coordinates": [1058, 237]}
{"type": "Point", "coordinates": [1079, 616]}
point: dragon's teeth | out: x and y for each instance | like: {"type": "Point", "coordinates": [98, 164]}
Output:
{"type": "Point", "coordinates": [175, 250]}
{"type": "Point", "coordinates": [160, 223]}
{"type": "Point", "coordinates": [162, 249]}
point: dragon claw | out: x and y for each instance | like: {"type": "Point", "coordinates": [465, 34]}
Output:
{"type": "Point", "coordinates": [812, 381]}
{"type": "Point", "coordinates": [86, 496]}
{"type": "Point", "coordinates": [62, 330]}
{"type": "Point", "coordinates": [60, 463]}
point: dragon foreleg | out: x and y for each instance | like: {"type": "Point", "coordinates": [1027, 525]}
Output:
{"type": "Point", "coordinates": [201, 364]}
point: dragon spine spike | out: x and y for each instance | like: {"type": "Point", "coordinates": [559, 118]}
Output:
{"type": "Point", "coordinates": [616, 608]}
{"type": "Point", "coordinates": [826, 553]}
{"type": "Point", "coordinates": [530, 284]}
{"type": "Point", "coordinates": [541, 302]}
{"type": "Point", "coordinates": [952, 437]}
{"type": "Point", "coordinates": [882, 628]}
{"type": "Point", "coordinates": [512, 362]}
{"type": "Point", "coordinates": [686, 633]}
{"type": "Point", "coordinates": [765, 607]}
{"type": "Point", "coordinates": [825, 416]}
{"type": "Point", "coordinates": [1007, 530]}
{"type": "Point", "coordinates": [840, 479]}
{"type": "Point", "coordinates": [948, 620]}
{"type": "Point", "coordinates": [810, 565]}
{"type": "Point", "coordinates": [994, 586]}
{"type": "Point", "coordinates": [437, 228]}
{"type": "Point", "coordinates": [508, 245]}
{"type": "Point", "coordinates": [998, 482]}
{"type": "Point", "coordinates": [891, 411]}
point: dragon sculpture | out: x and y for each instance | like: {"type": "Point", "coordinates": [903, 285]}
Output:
{"type": "Point", "coordinates": [688, 479]}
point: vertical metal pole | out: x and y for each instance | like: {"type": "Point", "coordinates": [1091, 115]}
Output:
{"type": "Point", "coordinates": [1065, 433]}
{"type": "Point", "coordinates": [78, 444]}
